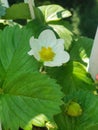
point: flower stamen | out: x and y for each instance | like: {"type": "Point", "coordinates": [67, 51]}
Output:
{"type": "Point", "coordinates": [46, 54]}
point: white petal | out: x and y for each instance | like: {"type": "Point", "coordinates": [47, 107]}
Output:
{"type": "Point", "coordinates": [34, 53]}
{"type": "Point", "coordinates": [51, 64]}
{"type": "Point", "coordinates": [59, 45]}
{"type": "Point", "coordinates": [47, 38]}
{"type": "Point", "coordinates": [35, 47]}
{"type": "Point", "coordinates": [60, 58]}
{"type": "Point", "coordinates": [60, 41]}
{"type": "Point", "coordinates": [34, 42]}
{"type": "Point", "coordinates": [31, 41]}
{"type": "Point", "coordinates": [30, 52]}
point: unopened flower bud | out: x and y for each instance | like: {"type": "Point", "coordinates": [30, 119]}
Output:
{"type": "Point", "coordinates": [74, 109]}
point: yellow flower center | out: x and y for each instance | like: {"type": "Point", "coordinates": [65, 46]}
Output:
{"type": "Point", "coordinates": [46, 54]}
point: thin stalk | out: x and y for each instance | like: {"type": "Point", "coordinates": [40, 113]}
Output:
{"type": "Point", "coordinates": [0, 126]}
{"type": "Point", "coordinates": [31, 5]}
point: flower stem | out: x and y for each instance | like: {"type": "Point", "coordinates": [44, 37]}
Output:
{"type": "Point", "coordinates": [31, 4]}
{"type": "Point", "coordinates": [0, 126]}
{"type": "Point", "coordinates": [42, 69]}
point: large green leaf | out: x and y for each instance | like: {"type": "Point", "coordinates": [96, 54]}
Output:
{"type": "Point", "coordinates": [25, 96]}
{"type": "Point", "coordinates": [89, 117]}
{"type": "Point", "coordinates": [54, 12]}
{"type": "Point", "coordinates": [72, 77]}
{"type": "Point", "coordinates": [24, 92]}
{"type": "Point", "coordinates": [81, 49]}
{"type": "Point", "coordinates": [14, 48]}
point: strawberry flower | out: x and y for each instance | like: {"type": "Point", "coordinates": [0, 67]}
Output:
{"type": "Point", "coordinates": [48, 49]}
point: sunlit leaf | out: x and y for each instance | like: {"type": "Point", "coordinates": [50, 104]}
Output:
{"type": "Point", "coordinates": [81, 49]}
{"type": "Point", "coordinates": [54, 12]}
{"type": "Point", "coordinates": [63, 30]}
{"type": "Point", "coordinates": [72, 77]}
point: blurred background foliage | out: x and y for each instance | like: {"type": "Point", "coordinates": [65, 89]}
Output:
{"type": "Point", "coordinates": [84, 17]}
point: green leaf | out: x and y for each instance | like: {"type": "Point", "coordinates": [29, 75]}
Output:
{"type": "Point", "coordinates": [2, 71]}
{"type": "Point", "coordinates": [42, 122]}
{"type": "Point", "coordinates": [94, 127]}
{"type": "Point", "coordinates": [24, 92]}
{"type": "Point", "coordinates": [62, 28]}
{"type": "Point", "coordinates": [72, 77]}
{"type": "Point", "coordinates": [14, 48]}
{"type": "Point", "coordinates": [54, 12]}
{"type": "Point", "coordinates": [39, 15]}
{"type": "Point", "coordinates": [81, 50]}
{"type": "Point", "coordinates": [2, 10]}
{"type": "Point", "coordinates": [25, 96]}
{"type": "Point", "coordinates": [89, 117]}
{"type": "Point", "coordinates": [18, 11]}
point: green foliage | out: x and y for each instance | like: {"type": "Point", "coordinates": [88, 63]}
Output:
{"type": "Point", "coordinates": [85, 17]}
{"type": "Point", "coordinates": [52, 16]}
{"type": "Point", "coordinates": [24, 94]}
{"type": "Point", "coordinates": [54, 12]}
{"type": "Point", "coordinates": [70, 78]}
{"type": "Point", "coordinates": [15, 12]}
{"type": "Point", "coordinates": [39, 99]}
{"type": "Point", "coordinates": [63, 32]}
{"type": "Point", "coordinates": [81, 49]}
{"type": "Point", "coordinates": [87, 120]}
